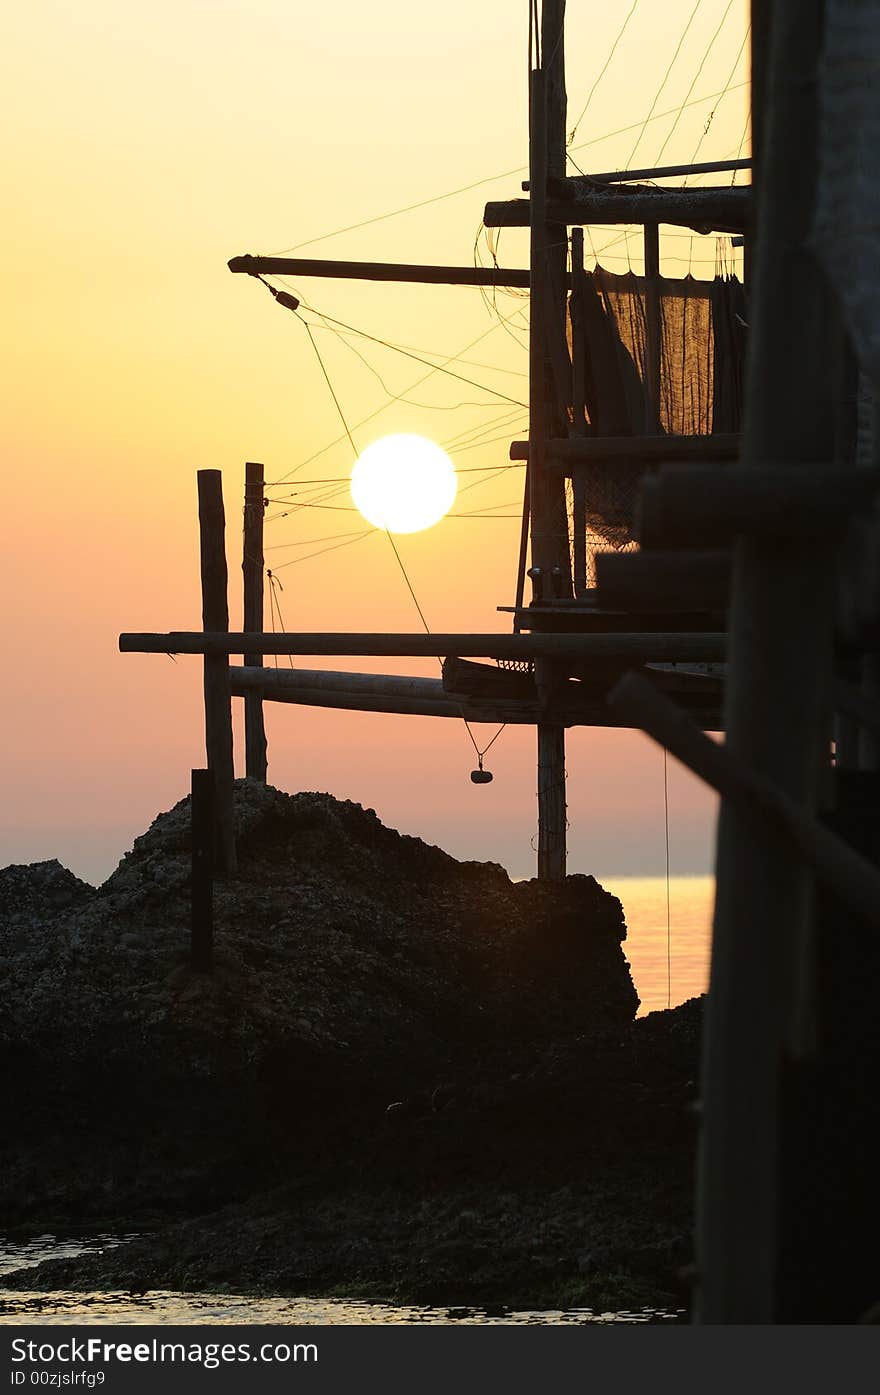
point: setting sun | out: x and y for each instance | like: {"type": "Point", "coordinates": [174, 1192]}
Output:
{"type": "Point", "coordinates": [403, 483]}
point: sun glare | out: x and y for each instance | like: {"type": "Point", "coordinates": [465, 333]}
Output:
{"type": "Point", "coordinates": [403, 483]}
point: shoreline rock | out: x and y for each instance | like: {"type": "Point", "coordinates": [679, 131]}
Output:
{"type": "Point", "coordinates": [382, 1022]}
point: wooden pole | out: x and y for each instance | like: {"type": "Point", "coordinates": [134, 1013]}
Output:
{"type": "Point", "coordinates": [381, 271]}
{"type": "Point", "coordinates": [705, 210]}
{"type": "Point", "coordinates": [781, 628]}
{"type": "Point", "coordinates": [252, 569]}
{"type": "Point", "coordinates": [650, 450]}
{"type": "Point", "coordinates": [548, 399]}
{"type": "Point", "coordinates": [579, 413]}
{"type": "Point", "coordinates": [662, 646]}
{"type": "Point", "coordinates": [218, 703]}
{"type": "Point", "coordinates": [652, 328]}
{"type": "Point", "coordinates": [202, 882]}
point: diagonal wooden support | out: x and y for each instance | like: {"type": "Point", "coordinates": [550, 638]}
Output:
{"type": "Point", "coordinates": [854, 880]}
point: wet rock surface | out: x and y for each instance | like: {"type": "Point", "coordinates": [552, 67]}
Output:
{"type": "Point", "coordinates": [406, 1076]}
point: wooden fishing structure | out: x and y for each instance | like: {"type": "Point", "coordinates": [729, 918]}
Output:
{"type": "Point", "coordinates": [752, 606]}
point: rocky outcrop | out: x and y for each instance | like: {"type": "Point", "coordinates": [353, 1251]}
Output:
{"type": "Point", "coordinates": [355, 967]}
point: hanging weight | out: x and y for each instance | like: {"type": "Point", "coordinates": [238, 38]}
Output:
{"type": "Point", "coordinates": [481, 776]}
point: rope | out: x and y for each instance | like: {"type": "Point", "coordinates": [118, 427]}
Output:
{"type": "Point", "coordinates": [477, 183]}
{"type": "Point", "coordinates": [378, 410]}
{"type": "Point", "coordinates": [721, 97]}
{"type": "Point", "coordinates": [605, 67]}
{"type": "Point", "coordinates": [387, 531]}
{"type": "Point", "coordinates": [407, 353]}
{"type": "Point", "coordinates": [663, 83]}
{"type": "Point", "coordinates": [709, 47]}
{"type": "Point", "coordinates": [275, 588]}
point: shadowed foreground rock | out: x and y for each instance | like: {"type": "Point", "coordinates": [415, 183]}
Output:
{"type": "Point", "coordinates": [355, 969]}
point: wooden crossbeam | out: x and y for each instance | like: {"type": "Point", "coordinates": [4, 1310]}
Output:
{"type": "Point", "coordinates": [685, 579]}
{"type": "Point", "coordinates": [381, 271]}
{"type": "Point", "coordinates": [697, 506]}
{"type": "Point", "coordinates": [652, 450]}
{"type": "Point", "coordinates": [851, 877]}
{"type": "Point", "coordinates": [402, 695]}
{"type": "Point", "coordinates": [661, 647]}
{"type": "Point", "coordinates": [705, 210]}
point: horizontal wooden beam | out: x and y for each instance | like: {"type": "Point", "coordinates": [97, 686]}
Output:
{"type": "Point", "coordinates": [669, 648]}
{"type": "Point", "coordinates": [685, 580]}
{"type": "Point", "coordinates": [652, 450]}
{"type": "Point", "coordinates": [555, 617]}
{"type": "Point", "coordinates": [426, 698]}
{"type": "Point", "coordinates": [257, 678]}
{"type": "Point", "coordinates": [698, 506]}
{"type": "Point", "coordinates": [667, 171]}
{"type": "Point", "coordinates": [705, 210]}
{"type": "Point", "coordinates": [851, 877]}
{"type": "Point", "coordinates": [381, 271]}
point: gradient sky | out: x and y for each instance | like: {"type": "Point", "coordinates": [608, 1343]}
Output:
{"type": "Point", "coordinates": [147, 145]}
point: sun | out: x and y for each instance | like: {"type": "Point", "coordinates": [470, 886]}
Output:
{"type": "Point", "coordinates": [403, 483]}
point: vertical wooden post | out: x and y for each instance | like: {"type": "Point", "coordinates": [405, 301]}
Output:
{"type": "Point", "coordinates": [549, 522]}
{"type": "Point", "coordinates": [552, 815]}
{"type": "Point", "coordinates": [218, 703]}
{"type": "Point", "coordinates": [652, 328]}
{"type": "Point", "coordinates": [252, 570]}
{"type": "Point", "coordinates": [779, 662]}
{"type": "Point", "coordinates": [579, 414]}
{"type": "Point", "coordinates": [202, 882]}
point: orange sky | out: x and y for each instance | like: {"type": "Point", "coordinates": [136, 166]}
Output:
{"type": "Point", "coordinates": [147, 146]}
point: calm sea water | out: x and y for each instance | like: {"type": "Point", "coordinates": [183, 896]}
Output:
{"type": "Point", "coordinates": [80, 1309]}
{"type": "Point", "coordinates": [691, 900]}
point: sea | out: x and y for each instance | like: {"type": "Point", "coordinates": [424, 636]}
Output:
{"type": "Point", "coordinates": [668, 944]}
{"type": "Point", "coordinates": [669, 959]}
{"type": "Point", "coordinates": [64, 1308]}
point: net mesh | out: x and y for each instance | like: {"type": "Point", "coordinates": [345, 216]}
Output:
{"type": "Point", "coordinates": [698, 328]}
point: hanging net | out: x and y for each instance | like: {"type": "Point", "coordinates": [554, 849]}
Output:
{"type": "Point", "coordinates": [698, 388]}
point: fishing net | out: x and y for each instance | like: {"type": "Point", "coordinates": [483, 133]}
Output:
{"type": "Point", "coordinates": [698, 378]}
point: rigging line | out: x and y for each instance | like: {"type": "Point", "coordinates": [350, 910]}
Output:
{"type": "Point", "coordinates": [663, 83]}
{"type": "Point", "coordinates": [385, 405]}
{"type": "Point", "coordinates": [720, 99]}
{"type": "Point", "coordinates": [658, 116]}
{"type": "Point", "coordinates": [307, 542]}
{"type": "Point", "coordinates": [272, 609]}
{"type": "Point", "coordinates": [611, 54]}
{"type": "Point", "coordinates": [477, 183]}
{"type": "Point", "coordinates": [335, 548]}
{"type": "Point", "coordinates": [742, 141]}
{"type": "Point", "coordinates": [397, 396]}
{"type": "Point", "coordinates": [407, 353]}
{"type": "Point", "coordinates": [273, 583]}
{"type": "Point", "coordinates": [346, 479]}
{"type": "Point", "coordinates": [436, 353]}
{"type": "Point", "coordinates": [350, 508]}
{"type": "Point", "coordinates": [469, 434]}
{"type": "Point", "coordinates": [514, 427]}
{"type": "Point", "coordinates": [708, 50]}
{"type": "Point", "coordinates": [417, 348]}
{"type": "Point", "coordinates": [387, 531]}
{"type": "Point", "coordinates": [668, 914]}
